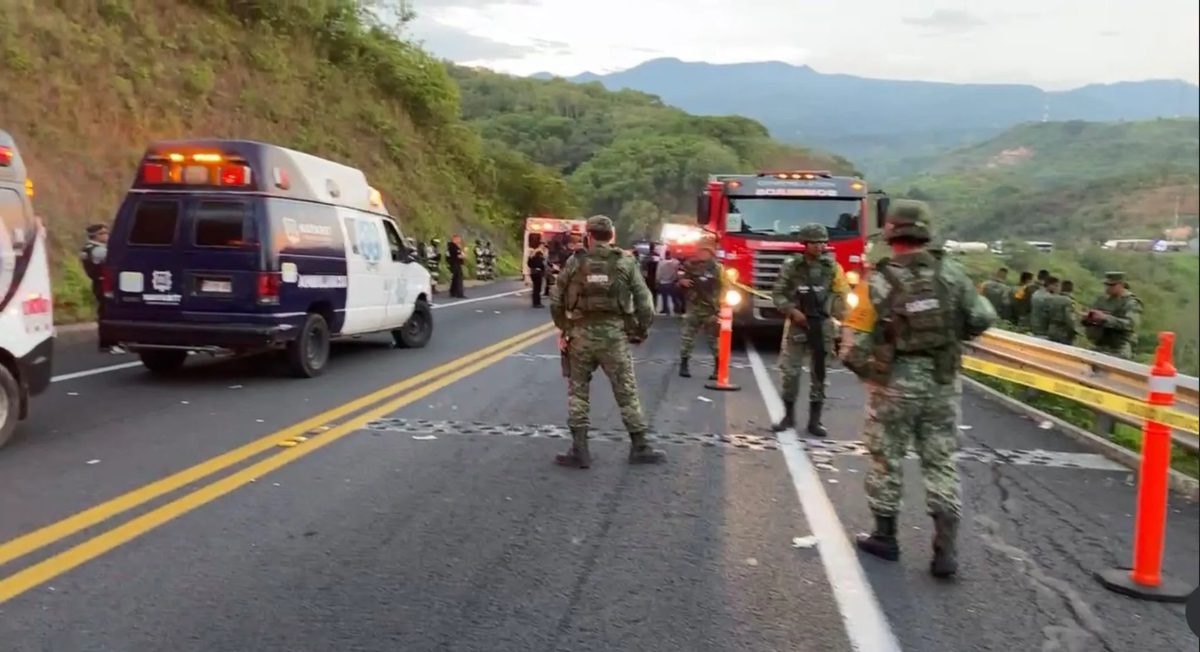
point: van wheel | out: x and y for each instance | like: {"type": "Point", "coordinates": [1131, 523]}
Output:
{"type": "Point", "coordinates": [415, 332]}
{"type": "Point", "coordinates": [308, 353]}
{"type": "Point", "coordinates": [163, 361]}
{"type": "Point", "coordinates": [10, 405]}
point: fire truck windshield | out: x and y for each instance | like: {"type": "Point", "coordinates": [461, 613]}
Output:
{"type": "Point", "coordinates": [781, 218]}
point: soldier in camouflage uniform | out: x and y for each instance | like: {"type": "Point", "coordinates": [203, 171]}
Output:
{"type": "Point", "coordinates": [903, 338]}
{"type": "Point", "coordinates": [1021, 296]}
{"type": "Point", "coordinates": [700, 277]}
{"type": "Point", "coordinates": [601, 305]}
{"type": "Point", "coordinates": [1112, 323]}
{"type": "Point", "coordinates": [811, 289]}
{"type": "Point", "coordinates": [1061, 315]}
{"type": "Point", "coordinates": [1038, 316]}
{"type": "Point", "coordinates": [997, 291]}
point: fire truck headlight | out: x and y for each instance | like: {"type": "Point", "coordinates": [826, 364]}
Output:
{"type": "Point", "coordinates": [852, 277]}
{"type": "Point", "coordinates": [852, 300]}
{"type": "Point", "coordinates": [732, 297]}
{"type": "Point", "coordinates": [731, 274]}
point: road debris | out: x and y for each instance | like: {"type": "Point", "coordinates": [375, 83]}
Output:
{"type": "Point", "coordinates": [804, 542]}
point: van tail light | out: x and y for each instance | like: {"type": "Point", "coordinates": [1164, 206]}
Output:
{"type": "Point", "coordinates": [106, 281]}
{"type": "Point", "coordinates": [268, 288]}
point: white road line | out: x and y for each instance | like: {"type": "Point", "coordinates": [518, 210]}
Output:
{"type": "Point", "coordinates": [477, 299]}
{"type": "Point", "coordinates": [128, 365]}
{"type": "Point", "coordinates": [866, 626]}
{"type": "Point", "coordinates": [94, 372]}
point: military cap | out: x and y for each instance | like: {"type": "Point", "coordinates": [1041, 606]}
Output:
{"type": "Point", "coordinates": [93, 229]}
{"type": "Point", "coordinates": [910, 219]}
{"type": "Point", "coordinates": [814, 233]}
{"type": "Point", "coordinates": [599, 223]}
{"type": "Point", "coordinates": [1114, 278]}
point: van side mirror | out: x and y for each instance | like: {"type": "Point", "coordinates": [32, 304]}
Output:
{"type": "Point", "coordinates": [881, 209]}
{"type": "Point", "coordinates": [703, 206]}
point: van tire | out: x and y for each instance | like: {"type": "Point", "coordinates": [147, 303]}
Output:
{"type": "Point", "coordinates": [416, 332]}
{"type": "Point", "coordinates": [162, 362]}
{"type": "Point", "coordinates": [10, 405]}
{"type": "Point", "coordinates": [308, 354]}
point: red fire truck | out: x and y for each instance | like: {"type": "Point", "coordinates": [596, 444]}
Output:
{"type": "Point", "coordinates": [756, 218]}
{"type": "Point", "coordinates": [552, 232]}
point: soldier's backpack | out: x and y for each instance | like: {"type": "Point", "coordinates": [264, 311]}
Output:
{"type": "Point", "coordinates": [594, 284]}
{"type": "Point", "coordinates": [920, 316]}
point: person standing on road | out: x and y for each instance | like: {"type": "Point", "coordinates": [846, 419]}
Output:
{"type": "Point", "coordinates": [455, 257]}
{"type": "Point", "coordinates": [480, 260]}
{"type": "Point", "coordinates": [903, 338]}
{"type": "Point", "coordinates": [433, 261]}
{"type": "Point", "coordinates": [601, 305]}
{"type": "Point", "coordinates": [1062, 315]}
{"type": "Point", "coordinates": [811, 288]}
{"type": "Point", "coordinates": [1037, 305]}
{"type": "Point", "coordinates": [667, 278]}
{"type": "Point", "coordinates": [1112, 323]}
{"type": "Point", "coordinates": [92, 255]}
{"type": "Point", "coordinates": [997, 291]}
{"type": "Point", "coordinates": [537, 273]}
{"type": "Point", "coordinates": [700, 277]}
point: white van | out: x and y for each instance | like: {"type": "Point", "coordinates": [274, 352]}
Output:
{"type": "Point", "coordinates": [26, 308]}
{"type": "Point", "coordinates": [234, 246]}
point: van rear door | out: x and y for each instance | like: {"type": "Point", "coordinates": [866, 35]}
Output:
{"type": "Point", "coordinates": [222, 255]}
{"type": "Point", "coordinates": [145, 255]}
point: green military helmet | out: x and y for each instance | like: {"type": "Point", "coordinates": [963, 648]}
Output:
{"type": "Point", "coordinates": [600, 223]}
{"type": "Point", "coordinates": [909, 219]}
{"type": "Point", "coordinates": [813, 233]}
{"type": "Point", "coordinates": [1114, 278]}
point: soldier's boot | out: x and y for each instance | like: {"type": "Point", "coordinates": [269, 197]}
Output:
{"type": "Point", "coordinates": [641, 452]}
{"type": "Point", "coordinates": [815, 428]}
{"type": "Point", "coordinates": [882, 542]}
{"type": "Point", "coordinates": [684, 372]}
{"type": "Point", "coordinates": [577, 457]}
{"type": "Point", "coordinates": [713, 376]}
{"type": "Point", "coordinates": [789, 417]}
{"type": "Point", "coordinates": [945, 546]}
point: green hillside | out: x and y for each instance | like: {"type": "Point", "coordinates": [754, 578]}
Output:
{"type": "Point", "coordinates": [1071, 182]}
{"type": "Point", "coordinates": [624, 153]}
{"type": "Point", "coordinates": [85, 84]}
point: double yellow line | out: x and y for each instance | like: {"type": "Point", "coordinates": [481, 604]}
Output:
{"type": "Point", "coordinates": [312, 434]}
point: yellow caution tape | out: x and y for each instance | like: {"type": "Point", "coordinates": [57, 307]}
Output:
{"type": "Point", "coordinates": [1093, 397]}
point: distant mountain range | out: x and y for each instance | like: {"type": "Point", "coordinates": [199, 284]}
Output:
{"type": "Point", "coordinates": [876, 121]}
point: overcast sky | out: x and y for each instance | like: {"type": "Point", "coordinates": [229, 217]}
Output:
{"type": "Point", "coordinates": [1052, 43]}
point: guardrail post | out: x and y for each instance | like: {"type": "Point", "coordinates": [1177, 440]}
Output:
{"type": "Point", "coordinates": [724, 344]}
{"type": "Point", "coordinates": [1145, 579]}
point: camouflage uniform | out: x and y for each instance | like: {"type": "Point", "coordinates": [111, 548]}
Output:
{"type": "Point", "coordinates": [1021, 300]}
{"type": "Point", "coordinates": [1112, 324]}
{"type": "Point", "coordinates": [1037, 311]}
{"type": "Point", "coordinates": [1000, 296]}
{"type": "Point", "coordinates": [903, 337]}
{"type": "Point", "coordinates": [818, 288]}
{"type": "Point", "coordinates": [1060, 318]}
{"type": "Point", "coordinates": [703, 300]}
{"type": "Point", "coordinates": [601, 305]}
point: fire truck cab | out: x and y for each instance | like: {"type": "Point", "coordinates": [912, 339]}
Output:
{"type": "Point", "coordinates": [757, 218]}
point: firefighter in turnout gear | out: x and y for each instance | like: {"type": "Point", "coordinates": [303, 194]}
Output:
{"type": "Point", "coordinates": [432, 259]}
{"type": "Point", "coordinates": [903, 339]}
{"type": "Point", "coordinates": [602, 305]}
{"type": "Point", "coordinates": [810, 292]}
{"type": "Point", "coordinates": [700, 276]}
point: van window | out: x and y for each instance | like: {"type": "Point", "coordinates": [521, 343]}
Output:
{"type": "Point", "coordinates": [352, 231]}
{"type": "Point", "coordinates": [395, 242]}
{"type": "Point", "coordinates": [220, 224]}
{"type": "Point", "coordinates": [154, 223]}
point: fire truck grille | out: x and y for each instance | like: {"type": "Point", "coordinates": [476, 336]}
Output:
{"type": "Point", "coordinates": [765, 268]}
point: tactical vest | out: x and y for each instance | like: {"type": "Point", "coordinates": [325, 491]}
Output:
{"type": "Point", "coordinates": [89, 266]}
{"type": "Point", "coordinates": [919, 318]}
{"type": "Point", "coordinates": [813, 296]}
{"type": "Point", "coordinates": [594, 287]}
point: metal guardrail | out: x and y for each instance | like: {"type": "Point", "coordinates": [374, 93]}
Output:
{"type": "Point", "coordinates": [1090, 369]}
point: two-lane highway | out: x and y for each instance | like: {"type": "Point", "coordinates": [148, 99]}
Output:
{"type": "Point", "coordinates": [407, 501]}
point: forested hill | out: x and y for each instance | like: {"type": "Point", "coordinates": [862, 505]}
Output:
{"type": "Point", "coordinates": [624, 153]}
{"type": "Point", "coordinates": [85, 85]}
{"type": "Point", "coordinates": [1075, 183]}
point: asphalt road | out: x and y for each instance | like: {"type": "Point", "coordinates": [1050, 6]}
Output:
{"type": "Point", "coordinates": [194, 514]}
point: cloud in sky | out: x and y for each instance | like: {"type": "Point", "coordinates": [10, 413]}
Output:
{"type": "Point", "coordinates": [1053, 44]}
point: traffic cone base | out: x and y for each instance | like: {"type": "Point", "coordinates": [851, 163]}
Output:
{"type": "Point", "coordinates": [724, 344]}
{"type": "Point", "coordinates": [1120, 580]}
